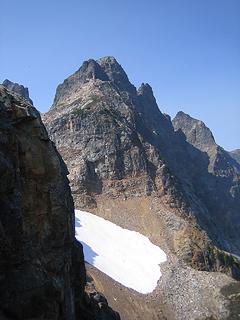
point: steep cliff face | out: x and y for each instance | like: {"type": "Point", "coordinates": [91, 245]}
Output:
{"type": "Point", "coordinates": [201, 137]}
{"type": "Point", "coordinates": [42, 272]}
{"type": "Point", "coordinates": [128, 164]}
{"type": "Point", "coordinates": [18, 89]}
{"type": "Point", "coordinates": [219, 186]}
{"type": "Point", "coordinates": [92, 113]}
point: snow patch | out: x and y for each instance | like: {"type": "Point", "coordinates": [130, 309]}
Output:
{"type": "Point", "coordinates": [126, 256]}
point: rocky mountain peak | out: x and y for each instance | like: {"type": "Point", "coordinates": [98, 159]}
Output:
{"type": "Point", "coordinates": [145, 90]}
{"type": "Point", "coordinates": [108, 60]}
{"type": "Point", "coordinates": [196, 132]}
{"type": "Point", "coordinates": [90, 69]}
{"type": "Point", "coordinates": [220, 162]}
{"type": "Point", "coordinates": [90, 75]}
{"type": "Point", "coordinates": [69, 89]}
{"type": "Point", "coordinates": [151, 114]}
{"type": "Point", "coordinates": [116, 74]}
{"type": "Point", "coordinates": [17, 88]}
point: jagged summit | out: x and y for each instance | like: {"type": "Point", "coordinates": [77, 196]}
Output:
{"type": "Point", "coordinates": [108, 59]}
{"type": "Point", "coordinates": [182, 114]}
{"type": "Point", "coordinates": [104, 71]}
{"type": "Point", "coordinates": [201, 137]}
{"type": "Point", "coordinates": [116, 74]}
{"type": "Point", "coordinates": [146, 90]}
{"type": "Point", "coordinates": [17, 88]}
{"type": "Point", "coordinates": [68, 91]}
{"type": "Point", "coordinates": [196, 132]}
{"type": "Point", "coordinates": [91, 70]}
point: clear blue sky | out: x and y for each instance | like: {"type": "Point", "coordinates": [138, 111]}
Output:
{"type": "Point", "coordinates": [187, 50]}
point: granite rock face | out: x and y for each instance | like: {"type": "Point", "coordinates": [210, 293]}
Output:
{"type": "Point", "coordinates": [17, 88]}
{"type": "Point", "coordinates": [42, 272]}
{"type": "Point", "coordinates": [95, 112]}
{"type": "Point", "coordinates": [130, 164]}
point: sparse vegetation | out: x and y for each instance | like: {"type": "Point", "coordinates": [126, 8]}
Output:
{"type": "Point", "coordinates": [77, 112]}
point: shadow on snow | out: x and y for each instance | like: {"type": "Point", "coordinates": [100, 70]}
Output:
{"type": "Point", "coordinates": [89, 253]}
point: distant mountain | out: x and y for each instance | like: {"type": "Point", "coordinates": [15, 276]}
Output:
{"type": "Point", "coordinates": [195, 131]}
{"type": "Point", "coordinates": [17, 88]}
{"type": "Point", "coordinates": [235, 154]}
{"type": "Point", "coordinates": [219, 188]}
{"type": "Point", "coordinates": [131, 164]}
{"type": "Point", "coordinates": [201, 137]}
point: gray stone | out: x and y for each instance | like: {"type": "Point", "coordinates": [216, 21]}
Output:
{"type": "Point", "coordinates": [17, 88]}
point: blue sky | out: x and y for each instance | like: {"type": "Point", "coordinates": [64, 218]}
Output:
{"type": "Point", "coordinates": [187, 50]}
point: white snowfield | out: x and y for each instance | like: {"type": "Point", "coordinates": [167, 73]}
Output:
{"type": "Point", "coordinates": [126, 256]}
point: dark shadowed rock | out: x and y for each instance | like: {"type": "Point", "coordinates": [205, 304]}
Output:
{"type": "Point", "coordinates": [195, 131]}
{"type": "Point", "coordinates": [219, 183]}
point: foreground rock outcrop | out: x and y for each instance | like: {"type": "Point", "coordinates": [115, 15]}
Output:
{"type": "Point", "coordinates": [130, 164]}
{"type": "Point", "coordinates": [42, 272]}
